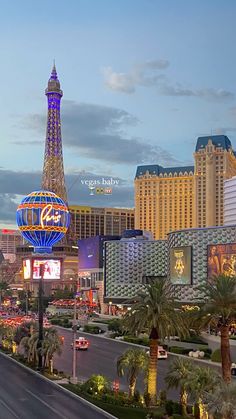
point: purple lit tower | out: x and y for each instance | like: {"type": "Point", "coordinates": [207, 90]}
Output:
{"type": "Point", "coordinates": [53, 170]}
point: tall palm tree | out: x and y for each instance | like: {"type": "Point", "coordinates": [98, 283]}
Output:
{"type": "Point", "coordinates": [177, 377]}
{"type": "Point", "coordinates": [133, 361]}
{"type": "Point", "coordinates": [155, 312]}
{"type": "Point", "coordinates": [219, 306]}
{"type": "Point", "coordinates": [222, 401]}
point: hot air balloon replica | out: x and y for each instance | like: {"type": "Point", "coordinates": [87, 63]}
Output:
{"type": "Point", "coordinates": [43, 219]}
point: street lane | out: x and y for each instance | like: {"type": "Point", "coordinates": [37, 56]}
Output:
{"type": "Point", "coordinates": [24, 395]}
{"type": "Point", "coordinates": [101, 358]}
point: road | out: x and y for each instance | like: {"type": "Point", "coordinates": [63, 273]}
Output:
{"type": "Point", "coordinates": [101, 358]}
{"type": "Point", "coordinates": [24, 395]}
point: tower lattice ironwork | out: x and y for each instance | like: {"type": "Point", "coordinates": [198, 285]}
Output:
{"type": "Point", "coordinates": [53, 170]}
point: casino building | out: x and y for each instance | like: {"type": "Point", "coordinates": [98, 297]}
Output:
{"type": "Point", "coordinates": [169, 199]}
{"type": "Point", "coordinates": [187, 258]}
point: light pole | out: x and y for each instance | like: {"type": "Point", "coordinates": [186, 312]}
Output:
{"type": "Point", "coordinates": [74, 378]}
{"type": "Point", "coordinates": [109, 311]}
{"type": "Point", "coordinates": [40, 315]}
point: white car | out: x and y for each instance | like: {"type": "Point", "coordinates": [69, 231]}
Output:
{"type": "Point", "coordinates": [161, 353]}
{"type": "Point", "coordinates": [81, 344]}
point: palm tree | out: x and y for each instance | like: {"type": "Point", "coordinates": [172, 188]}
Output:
{"type": "Point", "coordinates": [51, 344]}
{"type": "Point", "coordinates": [4, 290]}
{"type": "Point", "coordinates": [155, 312]}
{"type": "Point", "coordinates": [219, 306]}
{"type": "Point", "coordinates": [133, 361]}
{"type": "Point", "coordinates": [30, 345]}
{"type": "Point", "coordinates": [222, 401]}
{"type": "Point", "coordinates": [202, 381]}
{"type": "Point", "coordinates": [177, 376]}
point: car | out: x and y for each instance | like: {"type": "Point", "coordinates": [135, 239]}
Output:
{"type": "Point", "coordinates": [81, 344]}
{"type": "Point", "coordinates": [161, 353]}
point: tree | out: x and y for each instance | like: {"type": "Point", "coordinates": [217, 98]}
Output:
{"type": "Point", "coordinates": [132, 362]}
{"type": "Point", "coordinates": [26, 329]}
{"type": "Point", "coordinates": [221, 403]}
{"type": "Point", "coordinates": [51, 344]}
{"type": "Point", "coordinates": [219, 306]}
{"type": "Point", "coordinates": [155, 312]}
{"type": "Point", "coordinates": [202, 381]}
{"type": "Point", "coordinates": [30, 345]}
{"type": "Point", "coordinates": [177, 376]}
{"type": "Point", "coordinates": [4, 290]}
{"type": "Point", "coordinates": [64, 294]}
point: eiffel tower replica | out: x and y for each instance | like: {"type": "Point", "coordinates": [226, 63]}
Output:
{"type": "Point", "coordinates": [53, 169]}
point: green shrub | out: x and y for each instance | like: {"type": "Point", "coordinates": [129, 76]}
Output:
{"type": "Point", "coordinates": [138, 341]}
{"type": "Point", "coordinates": [96, 384]}
{"type": "Point", "coordinates": [115, 325]}
{"type": "Point", "coordinates": [216, 356]}
{"type": "Point", "coordinates": [193, 338]}
{"type": "Point", "coordinates": [169, 407]}
{"type": "Point", "coordinates": [176, 408]}
{"type": "Point", "coordinates": [92, 329]}
{"type": "Point", "coordinates": [179, 350]}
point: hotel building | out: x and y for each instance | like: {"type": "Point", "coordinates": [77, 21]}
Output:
{"type": "Point", "coordinates": [92, 221]}
{"type": "Point", "coordinates": [170, 199]}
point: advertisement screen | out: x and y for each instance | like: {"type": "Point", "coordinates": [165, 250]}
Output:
{"type": "Point", "coordinates": [181, 265]}
{"type": "Point", "coordinates": [89, 253]}
{"type": "Point", "coordinates": [48, 268]}
{"type": "Point", "coordinates": [27, 268]}
{"type": "Point", "coordinates": [221, 260]}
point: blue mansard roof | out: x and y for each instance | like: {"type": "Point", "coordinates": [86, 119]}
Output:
{"type": "Point", "coordinates": [156, 170]}
{"type": "Point", "coordinates": [217, 140]}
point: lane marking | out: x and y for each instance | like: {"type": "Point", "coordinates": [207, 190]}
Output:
{"type": "Point", "coordinates": [9, 409]}
{"type": "Point", "coordinates": [46, 404]}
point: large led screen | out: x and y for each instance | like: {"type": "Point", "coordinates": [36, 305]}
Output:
{"type": "Point", "coordinates": [91, 251]}
{"type": "Point", "coordinates": [26, 268]}
{"type": "Point", "coordinates": [221, 260]}
{"type": "Point", "coordinates": [47, 268]}
{"type": "Point", "coordinates": [181, 265]}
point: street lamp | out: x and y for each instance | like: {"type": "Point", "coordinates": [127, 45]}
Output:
{"type": "Point", "coordinates": [109, 311]}
{"type": "Point", "coordinates": [40, 315]}
{"type": "Point", "coordinates": [74, 378]}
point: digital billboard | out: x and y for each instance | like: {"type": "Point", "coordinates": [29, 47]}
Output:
{"type": "Point", "coordinates": [221, 260]}
{"type": "Point", "coordinates": [181, 265]}
{"type": "Point", "coordinates": [48, 268]}
{"type": "Point", "coordinates": [26, 268]}
{"type": "Point", "coordinates": [91, 251]}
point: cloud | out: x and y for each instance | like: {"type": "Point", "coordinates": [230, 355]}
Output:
{"type": "Point", "coordinates": [144, 74]}
{"type": "Point", "coordinates": [147, 74]}
{"type": "Point", "coordinates": [98, 132]}
{"type": "Point", "coordinates": [208, 94]}
{"type": "Point", "coordinates": [14, 185]}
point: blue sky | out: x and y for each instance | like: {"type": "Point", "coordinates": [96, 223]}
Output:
{"type": "Point", "coordinates": [142, 79]}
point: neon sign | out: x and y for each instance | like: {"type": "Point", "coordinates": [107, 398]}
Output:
{"type": "Point", "coordinates": [46, 215]}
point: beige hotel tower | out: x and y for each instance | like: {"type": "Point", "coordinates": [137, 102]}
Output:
{"type": "Point", "coordinates": [174, 198]}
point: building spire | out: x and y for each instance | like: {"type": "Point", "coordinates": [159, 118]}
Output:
{"type": "Point", "coordinates": [53, 82]}
{"type": "Point", "coordinates": [54, 72]}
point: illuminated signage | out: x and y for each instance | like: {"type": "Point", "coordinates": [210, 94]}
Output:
{"type": "Point", "coordinates": [26, 268]}
{"type": "Point", "coordinates": [48, 268]}
{"type": "Point", "coordinates": [47, 215]}
{"type": "Point", "coordinates": [180, 265]}
{"type": "Point", "coordinates": [221, 260]}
